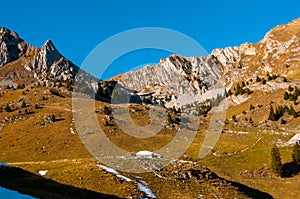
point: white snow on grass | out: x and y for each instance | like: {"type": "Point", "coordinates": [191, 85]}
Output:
{"type": "Point", "coordinates": [146, 190]}
{"type": "Point", "coordinates": [142, 185]}
{"type": "Point", "coordinates": [113, 171]}
{"type": "Point", "coordinates": [43, 172]}
{"type": "Point", "coordinates": [108, 169]}
{"type": "Point", "coordinates": [124, 178]}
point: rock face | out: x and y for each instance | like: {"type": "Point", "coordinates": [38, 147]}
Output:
{"type": "Point", "coordinates": [11, 46]}
{"type": "Point", "coordinates": [277, 53]}
{"type": "Point", "coordinates": [45, 64]}
{"type": "Point", "coordinates": [174, 75]}
{"type": "Point", "coordinates": [49, 64]}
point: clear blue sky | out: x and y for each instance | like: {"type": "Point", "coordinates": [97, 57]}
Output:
{"type": "Point", "coordinates": [76, 27]}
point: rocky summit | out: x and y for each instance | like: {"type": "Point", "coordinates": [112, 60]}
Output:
{"type": "Point", "coordinates": [44, 64]}
{"type": "Point", "coordinates": [11, 46]}
{"type": "Point", "coordinates": [277, 53]}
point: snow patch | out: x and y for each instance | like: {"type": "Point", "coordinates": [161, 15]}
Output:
{"type": "Point", "coordinates": [108, 169]}
{"type": "Point", "coordinates": [145, 188]}
{"type": "Point", "coordinates": [142, 185]}
{"type": "Point", "coordinates": [43, 172]}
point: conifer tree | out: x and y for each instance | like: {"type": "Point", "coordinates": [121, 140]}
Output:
{"type": "Point", "coordinates": [7, 108]}
{"type": "Point", "coordinates": [296, 154]}
{"type": "Point", "coordinates": [23, 105]}
{"type": "Point", "coordinates": [276, 165]}
{"type": "Point", "coordinates": [272, 116]}
{"type": "Point", "coordinates": [286, 96]}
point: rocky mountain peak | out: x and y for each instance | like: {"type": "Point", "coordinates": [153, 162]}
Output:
{"type": "Point", "coordinates": [48, 55]}
{"type": "Point", "coordinates": [49, 46]}
{"type": "Point", "coordinates": [46, 64]}
{"type": "Point", "coordinates": [8, 35]}
{"type": "Point", "coordinates": [11, 46]}
{"type": "Point", "coordinates": [49, 65]}
{"type": "Point", "coordinates": [277, 53]}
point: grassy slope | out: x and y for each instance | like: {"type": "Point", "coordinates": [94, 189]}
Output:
{"type": "Point", "coordinates": [31, 140]}
{"type": "Point", "coordinates": [34, 144]}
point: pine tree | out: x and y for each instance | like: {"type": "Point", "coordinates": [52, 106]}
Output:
{"type": "Point", "coordinates": [23, 105]}
{"type": "Point", "coordinates": [282, 121]}
{"type": "Point", "coordinates": [251, 107]}
{"type": "Point", "coordinates": [296, 92]}
{"type": "Point", "coordinates": [269, 77]}
{"type": "Point", "coordinates": [60, 83]}
{"type": "Point", "coordinates": [239, 90]}
{"type": "Point", "coordinates": [272, 116]}
{"type": "Point", "coordinates": [52, 118]}
{"type": "Point", "coordinates": [286, 96]}
{"type": "Point", "coordinates": [276, 165]}
{"type": "Point", "coordinates": [7, 108]}
{"type": "Point", "coordinates": [296, 154]}
{"type": "Point", "coordinates": [243, 84]}
{"type": "Point", "coordinates": [234, 118]}
{"type": "Point", "coordinates": [258, 79]}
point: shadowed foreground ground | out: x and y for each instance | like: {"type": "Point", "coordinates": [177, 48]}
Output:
{"type": "Point", "coordinates": [24, 182]}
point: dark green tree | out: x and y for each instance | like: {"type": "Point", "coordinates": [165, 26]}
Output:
{"type": "Point", "coordinates": [23, 105]}
{"type": "Point", "coordinates": [7, 108]}
{"type": "Point", "coordinates": [286, 96]}
{"type": "Point", "coordinates": [258, 79]}
{"type": "Point", "coordinates": [296, 92]}
{"type": "Point", "coordinates": [243, 84]}
{"type": "Point", "coordinates": [276, 165]}
{"type": "Point", "coordinates": [296, 154]}
{"type": "Point", "coordinates": [234, 118]}
{"type": "Point", "coordinates": [60, 83]}
{"type": "Point", "coordinates": [282, 121]}
{"type": "Point", "coordinates": [272, 116]}
{"type": "Point", "coordinates": [52, 118]}
{"type": "Point", "coordinates": [269, 77]}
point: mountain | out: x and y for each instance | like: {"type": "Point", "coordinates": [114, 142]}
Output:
{"type": "Point", "coordinates": [258, 86]}
{"type": "Point", "coordinates": [46, 64]}
{"type": "Point", "coordinates": [277, 53]}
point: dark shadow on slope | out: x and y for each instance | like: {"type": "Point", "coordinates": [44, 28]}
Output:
{"type": "Point", "coordinates": [250, 192]}
{"type": "Point", "coordinates": [24, 182]}
{"type": "Point", "coordinates": [289, 169]}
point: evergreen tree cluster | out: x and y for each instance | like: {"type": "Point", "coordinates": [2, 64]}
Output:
{"type": "Point", "coordinates": [69, 83]}
{"type": "Point", "coordinates": [277, 166]}
{"type": "Point", "coordinates": [204, 108]}
{"type": "Point", "coordinates": [276, 114]}
{"type": "Point", "coordinates": [105, 89]}
{"type": "Point", "coordinates": [269, 78]}
{"type": "Point", "coordinates": [292, 94]}
{"type": "Point", "coordinates": [239, 89]}
{"type": "Point", "coordinates": [272, 77]}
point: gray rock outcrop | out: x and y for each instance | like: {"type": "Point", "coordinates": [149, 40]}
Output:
{"type": "Point", "coordinates": [11, 46]}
